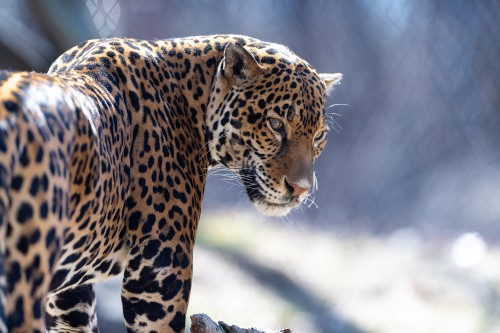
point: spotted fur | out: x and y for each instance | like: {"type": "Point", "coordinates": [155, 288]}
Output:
{"type": "Point", "coordinates": [103, 162]}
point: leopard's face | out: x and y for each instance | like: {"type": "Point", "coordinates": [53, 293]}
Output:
{"type": "Point", "coordinates": [267, 123]}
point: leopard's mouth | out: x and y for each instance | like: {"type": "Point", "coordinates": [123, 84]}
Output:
{"type": "Point", "coordinates": [256, 194]}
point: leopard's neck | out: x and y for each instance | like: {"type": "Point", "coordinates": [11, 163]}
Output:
{"type": "Point", "coordinates": [173, 76]}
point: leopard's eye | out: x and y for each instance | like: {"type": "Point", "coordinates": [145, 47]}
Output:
{"type": "Point", "coordinates": [275, 123]}
{"type": "Point", "coordinates": [320, 136]}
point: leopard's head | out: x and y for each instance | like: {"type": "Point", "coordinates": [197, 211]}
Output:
{"type": "Point", "coordinates": [266, 122]}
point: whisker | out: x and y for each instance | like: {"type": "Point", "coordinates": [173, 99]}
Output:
{"type": "Point", "coordinates": [207, 143]}
{"type": "Point", "coordinates": [333, 105]}
{"type": "Point", "coordinates": [315, 183]}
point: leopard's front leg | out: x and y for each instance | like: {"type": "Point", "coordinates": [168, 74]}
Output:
{"type": "Point", "coordinates": [156, 285]}
{"type": "Point", "coordinates": [161, 225]}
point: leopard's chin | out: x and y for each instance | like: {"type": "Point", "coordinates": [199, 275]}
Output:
{"type": "Point", "coordinates": [274, 209]}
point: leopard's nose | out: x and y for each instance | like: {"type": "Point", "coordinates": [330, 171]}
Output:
{"type": "Point", "coordinates": [298, 187]}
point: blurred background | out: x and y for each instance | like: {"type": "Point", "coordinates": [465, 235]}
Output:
{"type": "Point", "coordinates": [403, 235]}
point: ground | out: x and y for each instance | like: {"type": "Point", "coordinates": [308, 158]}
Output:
{"type": "Point", "coordinates": [273, 274]}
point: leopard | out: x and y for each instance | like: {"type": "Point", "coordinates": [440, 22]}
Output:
{"type": "Point", "coordinates": [104, 159]}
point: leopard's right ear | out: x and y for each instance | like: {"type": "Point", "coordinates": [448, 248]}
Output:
{"type": "Point", "coordinates": [330, 80]}
{"type": "Point", "coordinates": [238, 64]}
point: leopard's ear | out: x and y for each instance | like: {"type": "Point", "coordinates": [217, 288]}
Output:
{"type": "Point", "coordinates": [238, 63]}
{"type": "Point", "coordinates": [330, 80]}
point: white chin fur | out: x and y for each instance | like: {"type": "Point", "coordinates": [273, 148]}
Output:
{"type": "Point", "coordinates": [271, 209]}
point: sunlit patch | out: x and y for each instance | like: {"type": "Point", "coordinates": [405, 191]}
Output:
{"type": "Point", "coordinates": [468, 250]}
{"type": "Point", "coordinates": [284, 52]}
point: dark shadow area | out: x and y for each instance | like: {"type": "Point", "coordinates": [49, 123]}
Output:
{"type": "Point", "coordinates": [324, 318]}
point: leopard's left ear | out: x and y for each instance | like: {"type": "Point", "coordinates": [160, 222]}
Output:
{"type": "Point", "coordinates": [238, 63]}
{"type": "Point", "coordinates": [330, 80]}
